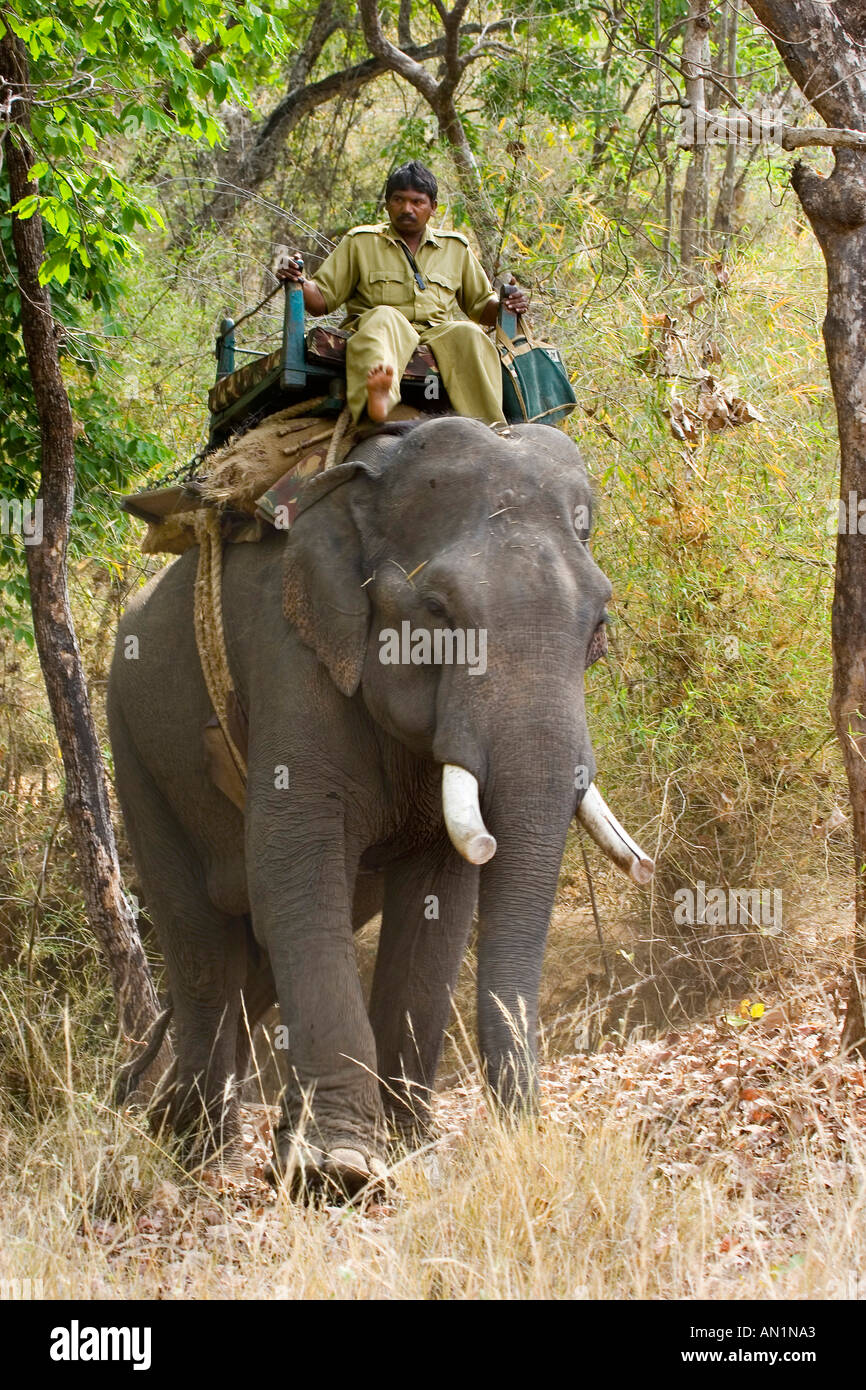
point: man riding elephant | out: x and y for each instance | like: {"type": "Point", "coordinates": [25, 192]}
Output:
{"type": "Point", "coordinates": [402, 283]}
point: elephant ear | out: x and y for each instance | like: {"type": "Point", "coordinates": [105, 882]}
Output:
{"type": "Point", "coordinates": [322, 581]}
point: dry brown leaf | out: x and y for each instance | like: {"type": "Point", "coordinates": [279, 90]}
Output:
{"type": "Point", "coordinates": [722, 274]}
{"type": "Point", "coordinates": [697, 298]}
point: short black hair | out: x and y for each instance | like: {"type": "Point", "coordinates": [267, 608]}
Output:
{"type": "Point", "coordinates": [412, 175]}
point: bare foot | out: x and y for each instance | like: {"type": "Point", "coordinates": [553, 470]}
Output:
{"type": "Point", "coordinates": [379, 381]}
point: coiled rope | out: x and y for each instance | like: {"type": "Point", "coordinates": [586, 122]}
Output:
{"type": "Point", "coordinates": [209, 630]}
{"type": "Point", "coordinates": [207, 601]}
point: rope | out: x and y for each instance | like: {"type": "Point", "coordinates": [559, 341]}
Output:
{"type": "Point", "coordinates": [344, 419]}
{"type": "Point", "coordinates": [207, 600]}
{"type": "Point", "coordinates": [209, 631]}
{"type": "Point", "coordinates": [302, 407]}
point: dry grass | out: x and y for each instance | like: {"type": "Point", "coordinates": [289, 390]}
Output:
{"type": "Point", "coordinates": [718, 1162]}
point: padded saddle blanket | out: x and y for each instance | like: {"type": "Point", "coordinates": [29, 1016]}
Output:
{"type": "Point", "coordinates": [253, 481]}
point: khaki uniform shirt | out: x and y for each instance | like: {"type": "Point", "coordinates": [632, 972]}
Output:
{"type": "Point", "coordinates": [368, 269]}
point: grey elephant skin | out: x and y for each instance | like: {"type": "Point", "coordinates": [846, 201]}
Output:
{"type": "Point", "coordinates": [449, 527]}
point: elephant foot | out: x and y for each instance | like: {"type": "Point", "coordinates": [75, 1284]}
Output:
{"type": "Point", "coordinates": [215, 1144]}
{"type": "Point", "coordinates": [410, 1123]}
{"type": "Point", "coordinates": [208, 1132]}
{"type": "Point", "coordinates": [222, 1170]}
{"type": "Point", "coordinates": [406, 1136]}
{"type": "Point", "coordinates": [341, 1170]}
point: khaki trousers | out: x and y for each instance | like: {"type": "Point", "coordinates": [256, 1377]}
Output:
{"type": "Point", "coordinates": [466, 357]}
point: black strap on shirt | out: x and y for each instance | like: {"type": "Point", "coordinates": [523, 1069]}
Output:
{"type": "Point", "coordinates": [419, 278]}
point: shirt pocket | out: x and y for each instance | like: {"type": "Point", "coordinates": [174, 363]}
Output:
{"type": "Point", "coordinates": [387, 287]}
{"type": "Point", "coordinates": [442, 287]}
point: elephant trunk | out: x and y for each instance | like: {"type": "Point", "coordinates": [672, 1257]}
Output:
{"type": "Point", "coordinates": [529, 808]}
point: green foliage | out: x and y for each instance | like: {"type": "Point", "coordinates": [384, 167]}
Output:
{"type": "Point", "coordinates": [104, 75]}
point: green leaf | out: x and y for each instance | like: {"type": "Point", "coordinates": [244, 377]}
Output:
{"type": "Point", "coordinates": [39, 170]}
{"type": "Point", "coordinates": [19, 27]}
{"type": "Point", "coordinates": [55, 267]}
{"type": "Point", "coordinates": [26, 207]}
{"type": "Point", "coordinates": [220, 80]}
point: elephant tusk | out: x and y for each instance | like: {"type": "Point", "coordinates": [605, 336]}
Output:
{"type": "Point", "coordinates": [467, 831]}
{"type": "Point", "coordinates": [598, 819]}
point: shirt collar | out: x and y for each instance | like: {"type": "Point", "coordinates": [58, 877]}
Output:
{"type": "Point", "coordinates": [430, 234]}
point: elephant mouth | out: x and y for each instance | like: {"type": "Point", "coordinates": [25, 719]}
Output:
{"type": "Point", "coordinates": [470, 837]}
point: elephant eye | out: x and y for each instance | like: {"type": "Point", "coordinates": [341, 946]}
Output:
{"type": "Point", "coordinates": [435, 606]}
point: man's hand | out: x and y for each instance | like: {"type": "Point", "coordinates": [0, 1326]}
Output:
{"type": "Point", "coordinates": [517, 302]}
{"type": "Point", "coordinates": [289, 266]}
{"type": "Point", "coordinates": [517, 299]}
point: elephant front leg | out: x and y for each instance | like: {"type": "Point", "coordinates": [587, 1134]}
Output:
{"type": "Point", "coordinates": [333, 1123]}
{"type": "Point", "coordinates": [427, 917]}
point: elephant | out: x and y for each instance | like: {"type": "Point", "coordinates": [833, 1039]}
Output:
{"type": "Point", "coordinates": [410, 657]}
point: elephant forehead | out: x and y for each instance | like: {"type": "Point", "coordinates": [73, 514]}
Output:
{"type": "Point", "coordinates": [432, 485]}
{"type": "Point", "coordinates": [457, 444]}
{"type": "Point", "coordinates": [513, 575]}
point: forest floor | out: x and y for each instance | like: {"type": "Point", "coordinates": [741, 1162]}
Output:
{"type": "Point", "coordinates": [725, 1159]}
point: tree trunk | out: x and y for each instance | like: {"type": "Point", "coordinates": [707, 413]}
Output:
{"type": "Point", "coordinates": [86, 795]}
{"type": "Point", "coordinates": [479, 209]}
{"type": "Point", "coordinates": [723, 221]}
{"type": "Point", "coordinates": [439, 95]}
{"type": "Point", "coordinates": [253, 157]}
{"type": "Point", "coordinates": [822, 48]}
{"type": "Point", "coordinates": [695, 209]}
{"type": "Point", "coordinates": [694, 216]}
{"type": "Point", "coordinates": [836, 208]}
{"type": "Point", "coordinates": [667, 160]}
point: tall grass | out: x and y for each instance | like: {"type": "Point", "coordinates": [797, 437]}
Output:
{"type": "Point", "coordinates": [592, 1202]}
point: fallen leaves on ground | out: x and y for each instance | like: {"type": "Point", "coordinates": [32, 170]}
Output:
{"type": "Point", "coordinates": [743, 1098]}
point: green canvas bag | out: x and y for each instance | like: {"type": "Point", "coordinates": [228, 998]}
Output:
{"type": "Point", "coordinates": [535, 384]}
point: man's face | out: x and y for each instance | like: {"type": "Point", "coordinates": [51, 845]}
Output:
{"type": "Point", "coordinates": [409, 211]}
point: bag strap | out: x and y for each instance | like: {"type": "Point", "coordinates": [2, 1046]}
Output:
{"type": "Point", "coordinates": [419, 278]}
{"type": "Point", "coordinates": [503, 339]}
{"type": "Point", "coordinates": [529, 336]}
{"type": "Point", "coordinates": [506, 345]}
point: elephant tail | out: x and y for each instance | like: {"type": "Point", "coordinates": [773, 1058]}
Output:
{"type": "Point", "coordinates": [131, 1072]}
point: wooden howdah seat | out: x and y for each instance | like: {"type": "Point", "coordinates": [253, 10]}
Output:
{"type": "Point", "coordinates": [327, 347]}
{"type": "Point", "coordinates": [302, 381]}
{"type": "Point", "coordinates": [307, 364]}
